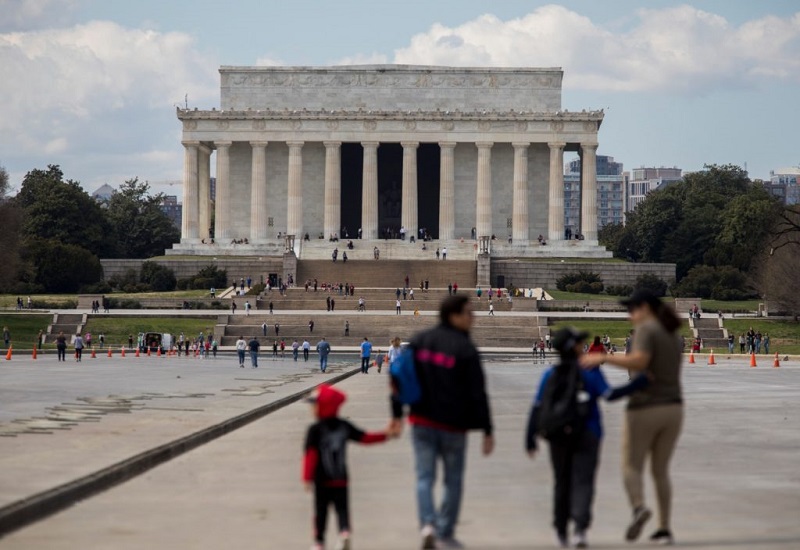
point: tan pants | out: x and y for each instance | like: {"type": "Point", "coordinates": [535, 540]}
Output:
{"type": "Point", "coordinates": [651, 431]}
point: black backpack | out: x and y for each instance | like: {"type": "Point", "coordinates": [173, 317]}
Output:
{"type": "Point", "coordinates": [562, 415]}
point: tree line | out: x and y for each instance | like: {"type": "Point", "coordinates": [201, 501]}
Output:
{"type": "Point", "coordinates": [54, 232]}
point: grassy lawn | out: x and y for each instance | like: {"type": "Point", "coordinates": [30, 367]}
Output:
{"type": "Point", "coordinates": [117, 329]}
{"type": "Point", "coordinates": [165, 295]}
{"type": "Point", "coordinates": [582, 297]}
{"type": "Point", "coordinates": [10, 300]}
{"type": "Point", "coordinates": [24, 327]}
{"type": "Point", "coordinates": [712, 306]}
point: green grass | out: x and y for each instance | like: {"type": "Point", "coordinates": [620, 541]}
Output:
{"type": "Point", "coordinates": [117, 329]}
{"type": "Point", "coordinates": [581, 296]}
{"type": "Point", "coordinates": [24, 327]}
{"type": "Point", "coordinates": [10, 300]}
{"type": "Point", "coordinates": [712, 306]}
{"type": "Point", "coordinates": [165, 295]}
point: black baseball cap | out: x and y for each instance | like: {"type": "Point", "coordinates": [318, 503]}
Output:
{"type": "Point", "coordinates": [566, 338]}
{"type": "Point", "coordinates": [640, 297]}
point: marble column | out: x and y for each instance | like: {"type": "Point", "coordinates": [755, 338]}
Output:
{"type": "Point", "coordinates": [447, 213]}
{"type": "Point", "coordinates": [369, 191]}
{"type": "Point", "coordinates": [483, 206]}
{"type": "Point", "coordinates": [189, 232]}
{"type": "Point", "coordinates": [555, 219]}
{"type": "Point", "coordinates": [294, 206]}
{"type": "Point", "coordinates": [519, 221]}
{"type": "Point", "coordinates": [589, 193]}
{"type": "Point", "coordinates": [258, 192]}
{"type": "Point", "coordinates": [222, 211]}
{"type": "Point", "coordinates": [409, 205]}
{"type": "Point", "coordinates": [204, 195]}
{"type": "Point", "coordinates": [333, 188]}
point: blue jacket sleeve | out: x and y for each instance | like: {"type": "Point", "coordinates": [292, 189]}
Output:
{"type": "Point", "coordinates": [638, 383]}
{"type": "Point", "coordinates": [594, 382]}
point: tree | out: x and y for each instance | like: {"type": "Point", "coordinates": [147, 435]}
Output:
{"type": "Point", "coordinates": [59, 210]}
{"type": "Point", "coordinates": [140, 226]}
{"type": "Point", "coordinates": [158, 277]}
{"type": "Point", "coordinates": [4, 183]}
{"type": "Point", "coordinates": [10, 221]}
{"type": "Point", "coordinates": [61, 267]}
{"type": "Point", "coordinates": [779, 276]}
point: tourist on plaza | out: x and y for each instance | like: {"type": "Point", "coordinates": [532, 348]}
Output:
{"type": "Point", "coordinates": [328, 302]}
{"type": "Point", "coordinates": [241, 347]}
{"type": "Point", "coordinates": [478, 292]}
{"type": "Point", "coordinates": [597, 346]}
{"type": "Point", "coordinates": [491, 309]}
{"type": "Point", "coordinates": [655, 414]}
{"type": "Point", "coordinates": [61, 346]}
{"type": "Point", "coordinates": [405, 293]}
{"type": "Point", "coordinates": [264, 328]}
{"type": "Point", "coordinates": [233, 307]}
{"type": "Point", "coordinates": [323, 349]}
{"type": "Point", "coordinates": [397, 293]}
{"type": "Point", "coordinates": [453, 401]}
{"type": "Point", "coordinates": [306, 349]}
{"type": "Point", "coordinates": [574, 443]}
{"type": "Point", "coordinates": [271, 308]}
{"type": "Point", "coordinates": [214, 347]}
{"type": "Point", "coordinates": [541, 348]}
{"type": "Point", "coordinates": [78, 343]}
{"type": "Point", "coordinates": [283, 348]}
{"type": "Point", "coordinates": [731, 342]}
{"type": "Point", "coordinates": [87, 340]}
{"type": "Point", "coordinates": [254, 345]}
{"type": "Point", "coordinates": [366, 351]}
{"type": "Point", "coordinates": [765, 343]}
{"type": "Point", "coordinates": [437, 252]}
{"type": "Point", "coordinates": [394, 350]}
{"type": "Point", "coordinates": [275, 350]}
{"type": "Point", "coordinates": [325, 462]}
{"type": "Point", "coordinates": [333, 304]}
{"type": "Point", "coordinates": [379, 360]}
{"type": "Point", "coordinates": [397, 307]}
{"type": "Point", "coordinates": [347, 328]}
{"type": "Point", "coordinates": [6, 337]}
{"type": "Point", "coordinates": [444, 253]}
{"type": "Point", "coordinates": [277, 329]}
{"type": "Point", "coordinates": [455, 288]}
{"type": "Point", "coordinates": [187, 343]}
{"type": "Point", "coordinates": [410, 293]}
{"type": "Point", "coordinates": [742, 343]}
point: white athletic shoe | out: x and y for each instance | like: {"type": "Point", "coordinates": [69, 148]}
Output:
{"type": "Point", "coordinates": [428, 535]}
{"type": "Point", "coordinates": [580, 540]}
{"type": "Point", "coordinates": [344, 541]}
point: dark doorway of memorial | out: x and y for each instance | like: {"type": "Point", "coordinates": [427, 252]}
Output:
{"type": "Point", "coordinates": [352, 170]}
{"type": "Point", "coordinates": [428, 163]}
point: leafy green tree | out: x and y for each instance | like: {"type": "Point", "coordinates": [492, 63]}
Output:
{"type": "Point", "coordinates": [141, 228]}
{"type": "Point", "coordinates": [4, 183]}
{"type": "Point", "coordinates": [61, 267]}
{"type": "Point", "coordinates": [60, 210]}
{"type": "Point", "coordinates": [158, 277]}
{"type": "Point", "coordinates": [10, 221]}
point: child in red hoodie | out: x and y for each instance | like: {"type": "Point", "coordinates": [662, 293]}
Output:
{"type": "Point", "coordinates": [325, 464]}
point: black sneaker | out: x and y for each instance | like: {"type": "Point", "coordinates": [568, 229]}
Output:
{"type": "Point", "coordinates": [640, 516]}
{"type": "Point", "coordinates": [662, 537]}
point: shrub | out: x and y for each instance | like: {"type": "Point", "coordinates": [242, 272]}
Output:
{"type": "Point", "coordinates": [158, 277]}
{"type": "Point", "coordinates": [718, 283]}
{"type": "Point", "coordinates": [129, 277]}
{"type": "Point", "coordinates": [619, 290]}
{"type": "Point", "coordinates": [218, 278]}
{"type": "Point", "coordinates": [653, 283]}
{"type": "Point", "coordinates": [201, 283]}
{"type": "Point", "coordinates": [585, 287]}
{"type": "Point", "coordinates": [61, 268]}
{"type": "Point", "coordinates": [565, 281]}
{"type": "Point", "coordinates": [183, 284]}
{"type": "Point", "coordinates": [116, 303]}
{"type": "Point", "coordinates": [256, 289]}
{"type": "Point", "coordinates": [103, 287]}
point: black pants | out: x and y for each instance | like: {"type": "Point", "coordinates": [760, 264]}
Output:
{"type": "Point", "coordinates": [305, 354]}
{"type": "Point", "coordinates": [62, 353]}
{"type": "Point", "coordinates": [574, 467]}
{"type": "Point", "coordinates": [323, 498]}
{"type": "Point", "coordinates": [364, 365]}
{"type": "Point", "coordinates": [78, 354]}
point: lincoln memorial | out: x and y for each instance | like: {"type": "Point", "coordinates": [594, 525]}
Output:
{"type": "Point", "coordinates": [470, 157]}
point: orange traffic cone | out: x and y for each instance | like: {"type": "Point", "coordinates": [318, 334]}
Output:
{"type": "Point", "coordinates": [711, 360]}
{"type": "Point", "coordinates": [109, 353]}
{"type": "Point", "coordinates": [8, 353]}
{"type": "Point", "coordinates": [148, 352]}
{"type": "Point", "coordinates": [94, 355]}
{"type": "Point", "coordinates": [159, 352]}
{"type": "Point", "coordinates": [777, 362]}
{"type": "Point", "coordinates": [753, 360]}
{"type": "Point", "coordinates": [35, 354]}
{"type": "Point", "coordinates": [137, 352]}
{"type": "Point", "coordinates": [122, 351]}
{"type": "Point", "coordinates": [691, 357]}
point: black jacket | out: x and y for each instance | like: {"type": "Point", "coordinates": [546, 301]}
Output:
{"type": "Point", "coordinates": [452, 381]}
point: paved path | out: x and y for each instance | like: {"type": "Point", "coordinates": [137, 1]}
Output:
{"type": "Point", "coordinates": [736, 479]}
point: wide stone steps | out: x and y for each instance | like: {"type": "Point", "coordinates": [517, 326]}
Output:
{"type": "Point", "coordinates": [388, 273]}
{"type": "Point", "coordinates": [392, 249]}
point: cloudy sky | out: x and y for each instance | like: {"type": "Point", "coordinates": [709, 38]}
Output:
{"type": "Point", "coordinates": [92, 85]}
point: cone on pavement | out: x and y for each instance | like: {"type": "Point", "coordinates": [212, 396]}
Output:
{"type": "Point", "coordinates": [34, 355]}
{"type": "Point", "coordinates": [691, 357]}
{"type": "Point", "coordinates": [148, 352]}
{"type": "Point", "coordinates": [711, 360]}
{"type": "Point", "coordinates": [122, 351]}
{"type": "Point", "coordinates": [8, 353]}
{"type": "Point", "coordinates": [159, 352]}
{"type": "Point", "coordinates": [109, 353]}
{"type": "Point", "coordinates": [137, 352]}
{"type": "Point", "coordinates": [94, 355]}
{"type": "Point", "coordinates": [777, 362]}
{"type": "Point", "coordinates": [753, 360]}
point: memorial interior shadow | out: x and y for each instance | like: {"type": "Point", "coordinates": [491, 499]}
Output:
{"type": "Point", "coordinates": [352, 170]}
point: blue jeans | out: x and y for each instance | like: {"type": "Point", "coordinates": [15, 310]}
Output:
{"type": "Point", "coordinates": [431, 444]}
{"type": "Point", "coordinates": [323, 362]}
{"type": "Point", "coordinates": [241, 356]}
{"type": "Point", "coordinates": [254, 358]}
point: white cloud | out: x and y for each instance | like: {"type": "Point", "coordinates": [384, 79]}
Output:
{"type": "Point", "coordinates": [94, 90]}
{"type": "Point", "coordinates": [30, 14]}
{"type": "Point", "coordinates": [677, 49]}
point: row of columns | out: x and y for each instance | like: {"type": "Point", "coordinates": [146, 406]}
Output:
{"type": "Point", "coordinates": [196, 211]}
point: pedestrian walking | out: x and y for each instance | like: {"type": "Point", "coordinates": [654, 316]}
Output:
{"type": "Point", "coordinates": [61, 346]}
{"type": "Point", "coordinates": [323, 349]}
{"type": "Point", "coordinates": [241, 347]}
{"type": "Point", "coordinates": [453, 400]}
{"type": "Point", "coordinates": [444, 253]}
{"type": "Point", "coordinates": [233, 307]}
{"type": "Point", "coordinates": [275, 350]}
{"type": "Point", "coordinates": [6, 337]}
{"type": "Point", "coordinates": [254, 345]}
{"type": "Point", "coordinates": [311, 326]}
{"type": "Point", "coordinates": [397, 307]}
{"type": "Point", "coordinates": [366, 351]}
{"type": "Point", "coordinates": [295, 350]}
{"type": "Point", "coordinates": [78, 343]}
{"type": "Point", "coordinates": [491, 309]}
{"type": "Point", "coordinates": [654, 416]}
{"type": "Point", "coordinates": [306, 349]}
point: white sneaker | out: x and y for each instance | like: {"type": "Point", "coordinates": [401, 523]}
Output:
{"type": "Point", "coordinates": [344, 541]}
{"type": "Point", "coordinates": [580, 540]}
{"type": "Point", "coordinates": [428, 535]}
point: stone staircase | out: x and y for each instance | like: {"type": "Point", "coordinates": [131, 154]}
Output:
{"type": "Point", "coordinates": [387, 273]}
{"type": "Point", "coordinates": [499, 331]}
{"type": "Point", "coordinates": [711, 331]}
{"type": "Point", "coordinates": [391, 249]}
{"type": "Point", "coordinates": [68, 323]}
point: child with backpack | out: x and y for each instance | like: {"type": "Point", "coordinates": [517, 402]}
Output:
{"type": "Point", "coordinates": [325, 464]}
{"type": "Point", "coordinates": [565, 412]}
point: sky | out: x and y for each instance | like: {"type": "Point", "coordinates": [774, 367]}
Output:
{"type": "Point", "coordinates": [92, 85]}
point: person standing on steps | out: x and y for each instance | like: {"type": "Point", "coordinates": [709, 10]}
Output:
{"type": "Point", "coordinates": [347, 328]}
{"type": "Point", "coordinates": [444, 253]}
{"type": "Point", "coordinates": [397, 307]}
{"type": "Point", "coordinates": [271, 308]}
{"type": "Point", "coordinates": [264, 328]}
{"type": "Point", "coordinates": [310, 326]}
{"type": "Point", "coordinates": [277, 329]}
{"type": "Point", "coordinates": [654, 416]}
{"type": "Point", "coordinates": [241, 347]}
{"type": "Point", "coordinates": [323, 349]}
{"type": "Point", "coordinates": [366, 351]}
{"type": "Point", "coordinates": [453, 401]}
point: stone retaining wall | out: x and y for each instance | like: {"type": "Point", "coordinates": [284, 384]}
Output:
{"type": "Point", "coordinates": [183, 268]}
{"type": "Point", "coordinates": [544, 274]}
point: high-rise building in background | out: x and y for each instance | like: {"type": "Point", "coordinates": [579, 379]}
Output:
{"type": "Point", "coordinates": [173, 209]}
{"type": "Point", "coordinates": [644, 180]}
{"type": "Point", "coordinates": [610, 193]}
{"type": "Point", "coordinates": [783, 183]}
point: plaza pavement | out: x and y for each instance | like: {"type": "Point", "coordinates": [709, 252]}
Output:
{"type": "Point", "coordinates": [735, 475]}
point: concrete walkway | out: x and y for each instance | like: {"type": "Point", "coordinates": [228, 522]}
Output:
{"type": "Point", "coordinates": [735, 478]}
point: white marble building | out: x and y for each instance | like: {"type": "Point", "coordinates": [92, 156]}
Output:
{"type": "Point", "coordinates": [313, 150]}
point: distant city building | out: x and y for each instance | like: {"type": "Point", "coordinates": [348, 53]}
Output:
{"type": "Point", "coordinates": [610, 193]}
{"type": "Point", "coordinates": [645, 180]}
{"type": "Point", "coordinates": [103, 193]}
{"type": "Point", "coordinates": [212, 189]}
{"type": "Point", "coordinates": [173, 209]}
{"type": "Point", "coordinates": [783, 183]}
